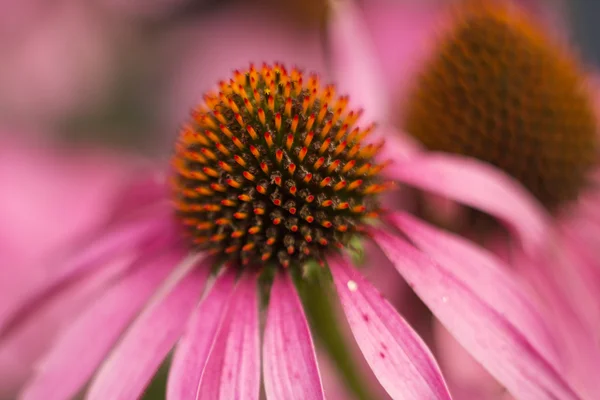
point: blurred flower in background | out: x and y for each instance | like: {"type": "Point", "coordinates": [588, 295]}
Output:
{"type": "Point", "coordinates": [520, 53]}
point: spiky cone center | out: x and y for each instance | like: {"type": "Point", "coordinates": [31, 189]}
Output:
{"type": "Point", "coordinates": [273, 170]}
{"type": "Point", "coordinates": [497, 89]}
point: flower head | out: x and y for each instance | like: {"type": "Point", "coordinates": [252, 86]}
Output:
{"type": "Point", "coordinates": [274, 168]}
{"type": "Point", "coordinates": [497, 88]}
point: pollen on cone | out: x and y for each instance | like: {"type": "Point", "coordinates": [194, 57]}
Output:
{"type": "Point", "coordinates": [260, 173]}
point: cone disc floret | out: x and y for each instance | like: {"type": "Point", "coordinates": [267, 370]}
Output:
{"type": "Point", "coordinates": [499, 90]}
{"type": "Point", "coordinates": [273, 169]}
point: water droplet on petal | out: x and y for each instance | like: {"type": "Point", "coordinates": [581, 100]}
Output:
{"type": "Point", "coordinates": [352, 286]}
{"type": "Point", "coordinates": [444, 299]}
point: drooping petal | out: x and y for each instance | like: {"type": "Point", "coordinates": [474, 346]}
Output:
{"type": "Point", "coordinates": [579, 344]}
{"type": "Point", "coordinates": [136, 358]}
{"type": "Point", "coordinates": [512, 355]}
{"type": "Point", "coordinates": [480, 270]}
{"type": "Point", "coordinates": [398, 145]}
{"type": "Point", "coordinates": [488, 189]}
{"type": "Point", "coordinates": [84, 344]}
{"type": "Point", "coordinates": [233, 367]}
{"type": "Point", "coordinates": [97, 254]}
{"type": "Point", "coordinates": [24, 345]}
{"type": "Point", "coordinates": [583, 270]}
{"type": "Point", "coordinates": [353, 61]}
{"type": "Point", "coordinates": [289, 361]}
{"type": "Point", "coordinates": [466, 378]}
{"type": "Point", "coordinates": [194, 347]}
{"type": "Point", "coordinates": [398, 357]}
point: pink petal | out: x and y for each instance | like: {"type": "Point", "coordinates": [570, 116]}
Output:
{"type": "Point", "coordinates": [398, 145]}
{"type": "Point", "coordinates": [233, 367]}
{"type": "Point", "coordinates": [147, 188]}
{"type": "Point", "coordinates": [354, 61]}
{"type": "Point", "coordinates": [21, 349]}
{"type": "Point", "coordinates": [457, 298]}
{"type": "Point", "coordinates": [136, 358]}
{"type": "Point", "coordinates": [290, 364]}
{"type": "Point", "coordinates": [580, 277]}
{"type": "Point", "coordinates": [404, 33]}
{"type": "Point", "coordinates": [480, 270]}
{"type": "Point", "coordinates": [84, 262]}
{"type": "Point", "coordinates": [193, 349]}
{"type": "Point", "coordinates": [478, 185]}
{"type": "Point", "coordinates": [466, 377]}
{"type": "Point", "coordinates": [67, 178]}
{"type": "Point", "coordinates": [579, 344]}
{"type": "Point", "coordinates": [85, 343]}
{"type": "Point", "coordinates": [400, 360]}
{"type": "Point", "coordinates": [234, 34]}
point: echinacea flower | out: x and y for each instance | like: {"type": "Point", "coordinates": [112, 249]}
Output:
{"type": "Point", "coordinates": [495, 83]}
{"type": "Point", "coordinates": [273, 180]}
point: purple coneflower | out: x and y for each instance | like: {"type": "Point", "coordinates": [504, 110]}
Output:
{"type": "Point", "coordinates": [495, 83]}
{"type": "Point", "coordinates": [273, 180]}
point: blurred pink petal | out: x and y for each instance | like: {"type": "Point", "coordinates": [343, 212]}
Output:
{"type": "Point", "coordinates": [403, 34]}
{"type": "Point", "coordinates": [467, 379]}
{"type": "Point", "coordinates": [21, 349]}
{"type": "Point", "coordinates": [400, 360]}
{"type": "Point", "coordinates": [233, 367]}
{"type": "Point", "coordinates": [59, 376]}
{"type": "Point", "coordinates": [148, 341]}
{"type": "Point", "coordinates": [354, 65]}
{"type": "Point", "coordinates": [579, 345]}
{"type": "Point", "coordinates": [231, 38]}
{"type": "Point", "coordinates": [289, 361]}
{"type": "Point", "coordinates": [494, 338]}
{"type": "Point", "coordinates": [193, 349]}
{"type": "Point", "coordinates": [83, 263]}
{"type": "Point", "coordinates": [480, 270]}
{"type": "Point", "coordinates": [333, 384]}
{"type": "Point", "coordinates": [488, 189]}
{"type": "Point", "coordinates": [45, 182]}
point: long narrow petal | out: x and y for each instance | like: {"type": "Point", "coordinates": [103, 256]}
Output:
{"type": "Point", "coordinates": [353, 60]}
{"type": "Point", "coordinates": [193, 349]}
{"type": "Point", "coordinates": [492, 337]}
{"type": "Point", "coordinates": [480, 271]}
{"type": "Point", "coordinates": [233, 367]}
{"type": "Point", "coordinates": [579, 338]}
{"type": "Point", "coordinates": [398, 357]}
{"type": "Point", "coordinates": [95, 256]}
{"type": "Point", "coordinates": [582, 272]}
{"type": "Point", "coordinates": [289, 361]}
{"type": "Point", "coordinates": [21, 349]}
{"type": "Point", "coordinates": [488, 189]}
{"type": "Point", "coordinates": [85, 343]}
{"type": "Point", "coordinates": [136, 358]}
